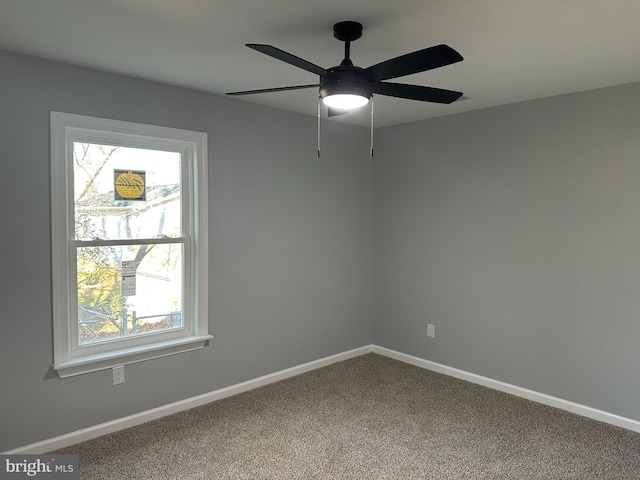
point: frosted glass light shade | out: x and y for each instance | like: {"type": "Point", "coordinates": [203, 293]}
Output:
{"type": "Point", "coordinates": [345, 101]}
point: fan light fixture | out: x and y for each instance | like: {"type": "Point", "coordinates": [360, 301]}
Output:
{"type": "Point", "coordinates": [345, 101]}
{"type": "Point", "coordinates": [346, 92]}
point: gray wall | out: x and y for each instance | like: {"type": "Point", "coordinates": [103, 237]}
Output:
{"type": "Point", "coordinates": [516, 231]}
{"type": "Point", "coordinates": [290, 245]}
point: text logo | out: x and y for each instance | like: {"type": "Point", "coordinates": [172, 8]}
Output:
{"type": "Point", "coordinates": [50, 467]}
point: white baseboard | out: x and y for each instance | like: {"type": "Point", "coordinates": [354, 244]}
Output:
{"type": "Point", "coordinates": [545, 399]}
{"type": "Point", "coordinates": [132, 420]}
{"type": "Point", "coordinates": [121, 423]}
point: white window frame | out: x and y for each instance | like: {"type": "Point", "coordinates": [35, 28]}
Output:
{"type": "Point", "coordinates": [69, 359]}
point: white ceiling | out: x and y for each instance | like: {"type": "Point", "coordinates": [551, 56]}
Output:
{"type": "Point", "coordinates": [514, 50]}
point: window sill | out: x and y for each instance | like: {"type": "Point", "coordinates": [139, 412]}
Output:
{"type": "Point", "coordinates": [93, 363]}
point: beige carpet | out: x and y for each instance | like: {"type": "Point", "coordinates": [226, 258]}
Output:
{"type": "Point", "coordinates": [366, 418]}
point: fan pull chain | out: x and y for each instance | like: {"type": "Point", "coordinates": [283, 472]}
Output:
{"type": "Point", "coordinates": [319, 99]}
{"type": "Point", "coordinates": [371, 126]}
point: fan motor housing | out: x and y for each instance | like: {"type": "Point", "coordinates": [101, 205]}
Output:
{"type": "Point", "coordinates": [345, 80]}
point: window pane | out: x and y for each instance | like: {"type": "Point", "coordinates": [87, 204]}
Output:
{"type": "Point", "coordinates": [123, 193]}
{"type": "Point", "coordinates": [126, 291]}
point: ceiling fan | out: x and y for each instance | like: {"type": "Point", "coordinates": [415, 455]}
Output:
{"type": "Point", "coordinates": [347, 86]}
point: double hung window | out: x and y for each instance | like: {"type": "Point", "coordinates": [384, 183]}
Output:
{"type": "Point", "coordinates": [129, 242]}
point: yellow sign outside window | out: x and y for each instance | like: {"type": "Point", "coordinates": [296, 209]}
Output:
{"type": "Point", "coordinates": [129, 185]}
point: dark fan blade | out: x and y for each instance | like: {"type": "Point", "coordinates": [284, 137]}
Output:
{"type": "Point", "coordinates": [416, 92]}
{"type": "Point", "coordinates": [420, 61]}
{"type": "Point", "coordinates": [334, 112]}
{"type": "Point", "coordinates": [288, 58]}
{"type": "Point", "coordinates": [277, 89]}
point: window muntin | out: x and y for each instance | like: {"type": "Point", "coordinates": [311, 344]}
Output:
{"type": "Point", "coordinates": [129, 242]}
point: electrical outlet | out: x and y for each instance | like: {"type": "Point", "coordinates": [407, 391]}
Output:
{"type": "Point", "coordinates": [431, 330]}
{"type": "Point", "coordinates": [118, 375]}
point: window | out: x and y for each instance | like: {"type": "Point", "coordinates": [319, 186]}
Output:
{"type": "Point", "coordinates": [129, 242]}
